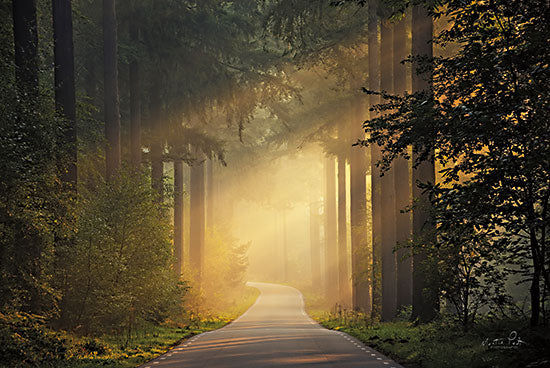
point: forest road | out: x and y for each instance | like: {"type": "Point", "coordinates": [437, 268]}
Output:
{"type": "Point", "coordinates": [274, 332]}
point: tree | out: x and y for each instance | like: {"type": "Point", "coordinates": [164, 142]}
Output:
{"type": "Point", "coordinates": [111, 97]}
{"type": "Point", "coordinates": [488, 130]}
{"type": "Point", "coordinates": [331, 244]}
{"type": "Point", "coordinates": [25, 34]}
{"type": "Point", "coordinates": [197, 203]}
{"type": "Point", "coordinates": [65, 99]}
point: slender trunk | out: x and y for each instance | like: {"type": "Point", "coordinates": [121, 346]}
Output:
{"type": "Point", "coordinates": [110, 76]}
{"type": "Point", "coordinates": [315, 254]}
{"type": "Point", "coordinates": [401, 176]}
{"type": "Point", "coordinates": [343, 281]}
{"type": "Point", "coordinates": [196, 246]}
{"type": "Point", "coordinates": [65, 100]}
{"type": "Point", "coordinates": [210, 194]}
{"type": "Point", "coordinates": [331, 241]}
{"type": "Point", "coordinates": [374, 85]}
{"type": "Point", "coordinates": [387, 192]}
{"type": "Point", "coordinates": [135, 98]}
{"type": "Point", "coordinates": [425, 304]}
{"type": "Point", "coordinates": [285, 246]}
{"type": "Point", "coordinates": [25, 40]}
{"type": "Point", "coordinates": [535, 281]}
{"type": "Point", "coordinates": [157, 167]}
{"type": "Point", "coordinates": [178, 216]}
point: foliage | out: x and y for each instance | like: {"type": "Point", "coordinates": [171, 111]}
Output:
{"type": "Point", "coordinates": [119, 272]}
{"type": "Point", "coordinates": [26, 341]}
{"type": "Point", "coordinates": [486, 123]}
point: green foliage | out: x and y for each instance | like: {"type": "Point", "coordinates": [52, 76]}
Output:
{"type": "Point", "coordinates": [119, 273]}
{"type": "Point", "coordinates": [26, 341]}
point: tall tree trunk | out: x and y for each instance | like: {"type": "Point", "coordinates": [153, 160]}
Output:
{"type": "Point", "coordinates": [374, 85]}
{"type": "Point", "coordinates": [135, 96]}
{"type": "Point", "coordinates": [25, 35]}
{"type": "Point", "coordinates": [425, 305]}
{"type": "Point", "coordinates": [343, 282]}
{"type": "Point", "coordinates": [387, 191]}
{"type": "Point", "coordinates": [111, 103]}
{"type": "Point", "coordinates": [196, 246]}
{"type": "Point", "coordinates": [331, 241]}
{"type": "Point", "coordinates": [358, 216]}
{"type": "Point", "coordinates": [178, 216]}
{"type": "Point", "coordinates": [314, 243]}
{"type": "Point", "coordinates": [285, 245]}
{"type": "Point", "coordinates": [210, 194]}
{"type": "Point", "coordinates": [65, 100]}
{"type": "Point", "coordinates": [401, 176]}
{"type": "Point", "coordinates": [157, 166]}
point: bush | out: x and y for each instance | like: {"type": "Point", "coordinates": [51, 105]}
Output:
{"type": "Point", "coordinates": [26, 341]}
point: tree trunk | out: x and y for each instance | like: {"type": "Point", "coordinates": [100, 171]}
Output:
{"type": "Point", "coordinates": [387, 191]}
{"type": "Point", "coordinates": [314, 243]}
{"type": "Point", "coordinates": [343, 282]}
{"type": "Point", "coordinates": [358, 216]}
{"type": "Point", "coordinates": [374, 85]}
{"type": "Point", "coordinates": [157, 166]}
{"type": "Point", "coordinates": [65, 100]}
{"type": "Point", "coordinates": [110, 76]}
{"type": "Point", "coordinates": [331, 241]}
{"type": "Point", "coordinates": [401, 176]}
{"type": "Point", "coordinates": [210, 194]}
{"type": "Point", "coordinates": [425, 304]}
{"type": "Point", "coordinates": [197, 226]}
{"type": "Point", "coordinates": [285, 245]}
{"type": "Point", "coordinates": [178, 216]}
{"type": "Point", "coordinates": [25, 40]}
{"type": "Point", "coordinates": [135, 97]}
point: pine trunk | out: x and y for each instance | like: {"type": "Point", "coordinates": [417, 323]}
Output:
{"type": "Point", "coordinates": [65, 100]}
{"type": "Point", "coordinates": [25, 41]}
{"type": "Point", "coordinates": [314, 242]}
{"type": "Point", "coordinates": [135, 99]}
{"type": "Point", "coordinates": [401, 176]}
{"type": "Point", "coordinates": [331, 241]}
{"type": "Point", "coordinates": [210, 194]}
{"type": "Point", "coordinates": [425, 305]}
{"type": "Point", "coordinates": [178, 216]}
{"type": "Point", "coordinates": [374, 85]}
{"type": "Point", "coordinates": [157, 166]}
{"type": "Point", "coordinates": [343, 281]}
{"type": "Point", "coordinates": [387, 191]}
{"type": "Point", "coordinates": [197, 225]}
{"type": "Point", "coordinates": [110, 77]}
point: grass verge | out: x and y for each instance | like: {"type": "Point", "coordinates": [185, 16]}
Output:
{"type": "Point", "coordinates": [115, 351]}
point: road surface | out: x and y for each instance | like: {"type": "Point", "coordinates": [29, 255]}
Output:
{"type": "Point", "coordinates": [274, 332]}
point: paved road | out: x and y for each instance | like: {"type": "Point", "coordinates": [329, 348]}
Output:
{"type": "Point", "coordinates": [274, 332]}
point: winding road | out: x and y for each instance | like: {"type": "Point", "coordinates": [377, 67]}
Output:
{"type": "Point", "coordinates": [274, 332]}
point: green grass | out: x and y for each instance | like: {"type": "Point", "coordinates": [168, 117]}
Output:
{"type": "Point", "coordinates": [115, 351]}
{"type": "Point", "coordinates": [441, 344]}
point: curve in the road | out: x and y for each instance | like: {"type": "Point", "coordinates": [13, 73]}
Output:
{"type": "Point", "coordinates": [274, 332]}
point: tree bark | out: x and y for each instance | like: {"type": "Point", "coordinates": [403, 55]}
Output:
{"type": "Point", "coordinates": [374, 85]}
{"type": "Point", "coordinates": [314, 243]}
{"type": "Point", "coordinates": [157, 166]}
{"type": "Point", "coordinates": [65, 100]}
{"type": "Point", "coordinates": [178, 216]}
{"type": "Point", "coordinates": [425, 305]}
{"type": "Point", "coordinates": [210, 194]}
{"type": "Point", "coordinates": [401, 176]}
{"type": "Point", "coordinates": [25, 41]}
{"type": "Point", "coordinates": [110, 76]}
{"type": "Point", "coordinates": [135, 97]}
{"type": "Point", "coordinates": [387, 191]}
{"type": "Point", "coordinates": [197, 226]}
{"type": "Point", "coordinates": [343, 281]}
{"type": "Point", "coordinates": [331, 241]}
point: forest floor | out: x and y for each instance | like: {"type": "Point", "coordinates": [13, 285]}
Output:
{"type": "Point", "coordinates": [442, 343]}
{"type": "Point", "coordinates": [119, 352]}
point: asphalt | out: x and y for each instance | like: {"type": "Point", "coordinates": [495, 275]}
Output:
{"type": "Point", "coordinates": [274, 332]}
